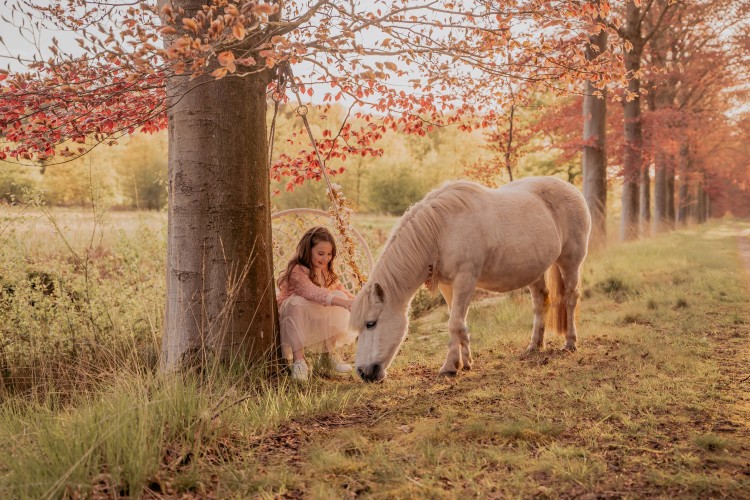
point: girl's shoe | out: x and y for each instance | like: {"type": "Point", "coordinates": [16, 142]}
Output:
{"type": "Point", "coordinates": [299, 370]}
{"type": "Point", "coordinates": [333, 362]}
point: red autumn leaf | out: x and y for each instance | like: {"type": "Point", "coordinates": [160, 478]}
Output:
{"type": "Point", "coordinates": [238, 31]}
{"type": "Point", "coordinates": [226, 59]}
{"type": "Point", "coordinates": [246, 61]}
{"type": "Point", "coordinates": [190, 24]}
{"type": "Point", "coordinates": [219, 73]}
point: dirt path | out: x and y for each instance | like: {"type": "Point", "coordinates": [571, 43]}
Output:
{"type": "Point", "coordinates": [737, 356]}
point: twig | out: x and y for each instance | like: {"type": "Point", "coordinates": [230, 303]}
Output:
{"type": "Point", "coordinates": [235, 403]}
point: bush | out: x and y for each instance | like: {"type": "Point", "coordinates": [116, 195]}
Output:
{"type": "Point", "coordinates": [16, 182]}
{"type": "Point", "coordinates": [394, 190]}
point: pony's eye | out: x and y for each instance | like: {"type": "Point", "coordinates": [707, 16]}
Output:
{"type": "Point", "coordinates": [370, 324]}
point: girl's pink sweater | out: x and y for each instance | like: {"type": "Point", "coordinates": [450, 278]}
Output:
{"type": "Point", "coordinates": [299, 283]}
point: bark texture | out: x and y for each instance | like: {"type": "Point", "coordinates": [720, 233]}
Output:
{"type": "Point", "coordinates": [633, 130]}
{"type": "Point", "coordinates": [220, 290]}
{"type": "Point", "coordinates": [595, 150]}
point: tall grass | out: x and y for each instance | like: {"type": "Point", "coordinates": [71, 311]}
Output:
{"type": "Point", "coordinates": [140, 430]}
{"type": "Point", "coordinates": [76, 308]}
{"type": "Point", "coordinates": [85, 412]}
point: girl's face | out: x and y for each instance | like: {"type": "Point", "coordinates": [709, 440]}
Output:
{"type": "Point", "coordinates": [322, 253]}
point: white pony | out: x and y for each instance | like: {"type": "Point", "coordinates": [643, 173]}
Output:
{"type": "Point", "coordinates": [463, 236]}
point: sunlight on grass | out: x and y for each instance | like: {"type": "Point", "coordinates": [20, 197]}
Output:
{"type": "Point", "coordinates": [124, 433]}
{"type": "Point", "coordinates": [635, 411]}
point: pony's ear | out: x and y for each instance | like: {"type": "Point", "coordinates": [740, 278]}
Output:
{"type": "Point", "coordinates": [379, 293]}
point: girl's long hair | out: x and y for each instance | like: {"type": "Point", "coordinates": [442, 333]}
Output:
{"type": "Point", "coordinates": [303, 256]}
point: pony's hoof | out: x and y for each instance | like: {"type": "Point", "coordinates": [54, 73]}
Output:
{"type": "Point", "coordinates": [466, 367]}
{"type": "Point", "coordinates": [569, 348]}
{"type": "Point", "coordinates": [447, 373]}
{"type": "Point", "coordinates": [530, 351]}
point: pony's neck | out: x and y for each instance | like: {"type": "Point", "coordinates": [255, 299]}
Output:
{"type": "Point", "coordinates": [400, 276]}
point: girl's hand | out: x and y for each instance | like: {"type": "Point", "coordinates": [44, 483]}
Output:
{"type": "Point", "coordinates": [343, 302]}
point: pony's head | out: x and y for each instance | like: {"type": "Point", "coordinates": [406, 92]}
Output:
{"type": "Point", "coordinates": [381, 323]}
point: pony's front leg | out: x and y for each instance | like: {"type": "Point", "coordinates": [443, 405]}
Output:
{"type": "Point", "coordinates": [459, 352]}
{"type": "Point", "coordinates": [540, 299]}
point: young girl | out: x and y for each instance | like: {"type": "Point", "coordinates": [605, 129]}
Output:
{"type": "Point", "coordinates": [313, 304]}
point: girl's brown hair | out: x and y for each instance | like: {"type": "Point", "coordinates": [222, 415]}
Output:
{"type": "Point", "coordinates": [303, 256]}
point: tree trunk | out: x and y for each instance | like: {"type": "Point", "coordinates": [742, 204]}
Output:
{"type": "Point", "coordinates": [645, 200]}
{"type": "Point", "coordinates": [670, 194]}
{"type": "Point", "coordinates": [220, 289]}
{"type": "Point", "coordinates": [595, 150]}
{"type": "Point", "coordinates": [633, 133]}
{"type": "Point", "coordinates": [707, 206]}
{"type": "Point", "coordinates": [701, 203]}
{"type": "Point", "coordinates": [661, 188]}
{"type": "Point", "coordinates": [684, 194]}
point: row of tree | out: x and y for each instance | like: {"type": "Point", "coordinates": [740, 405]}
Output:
{"type": "Point", "coordinates": [675, 142]}
{"type": "Point", "coordinates": [688, 61]}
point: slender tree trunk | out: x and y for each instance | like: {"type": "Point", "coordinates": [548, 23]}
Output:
{"type": "Point", "coordinates": [645, 200]}
{"type": "Point", "coordinates": [595, 149]}
{"type": "Point", "coordinates": [661, 188]}
{"type": "Point", "coordinates": [661, 184]}
{"type": "Point", "coordinates": [707, 205]}
{"type": "Point", "coordinates": [670, 194]}
{"type": "Point", "coordinates": [700, 203]}
{"type": "Point", "coordinates": [220, 289]}
{"type": "Point", "coordinates": [684, 193]}
{"type": "Point", "coordinates": [633, 134]}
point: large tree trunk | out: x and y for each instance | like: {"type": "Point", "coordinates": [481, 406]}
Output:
{"type": "Point", "coordinates": [595, 150]}
{"type": "Point", "coordinates": [633, 134]}
{"type": "Point", "coordinates": [220, 290]}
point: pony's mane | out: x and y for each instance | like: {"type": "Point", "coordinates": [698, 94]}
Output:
{"type": "Point", "coordinates": [411, 245]}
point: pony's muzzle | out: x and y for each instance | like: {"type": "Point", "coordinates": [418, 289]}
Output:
{"type": "Point", "coordinates": [371, 373]}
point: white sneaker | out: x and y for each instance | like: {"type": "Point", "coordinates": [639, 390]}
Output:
{"type": "Point", "coordinates": [299, 370]}
{"type": "Point", "coordinates": [333, 362]}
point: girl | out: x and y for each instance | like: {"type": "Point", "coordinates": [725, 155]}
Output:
{"type": "Point", "coordinates": [313, 304]}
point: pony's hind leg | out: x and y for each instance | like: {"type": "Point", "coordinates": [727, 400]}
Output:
{"type": "Point", "coordinates": [540, 299]}
{"type": "Point", "coordinates": [459, 352]}
{"type": "Point", "coordinates": [570, 278]}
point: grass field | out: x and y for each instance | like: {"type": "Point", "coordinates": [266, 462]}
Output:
{"type": "Point", "coordinates": [654, 403]}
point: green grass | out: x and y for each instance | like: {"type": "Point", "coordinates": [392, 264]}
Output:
{"type": "Point", "coordinates": [650, 405]}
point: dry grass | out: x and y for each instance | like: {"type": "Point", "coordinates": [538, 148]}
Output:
{"type": "Point", "coordinates": [653, 404]}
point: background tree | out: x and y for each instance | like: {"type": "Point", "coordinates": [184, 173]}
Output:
{"type": "Point", "coordinates": [141, 168]}
{"type": "Point", "coordinates": [698, 58]}
{"type": "Point", "coordinates": [636, 183]}
{"type": "Point", "coordinates": [594, 161]}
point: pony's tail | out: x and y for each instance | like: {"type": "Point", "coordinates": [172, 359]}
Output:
{"type": "Point", "coordinates": [557, 314]}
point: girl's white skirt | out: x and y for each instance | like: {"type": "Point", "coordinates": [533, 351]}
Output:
{"type": "Point", "coordinates": [315, 327]}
